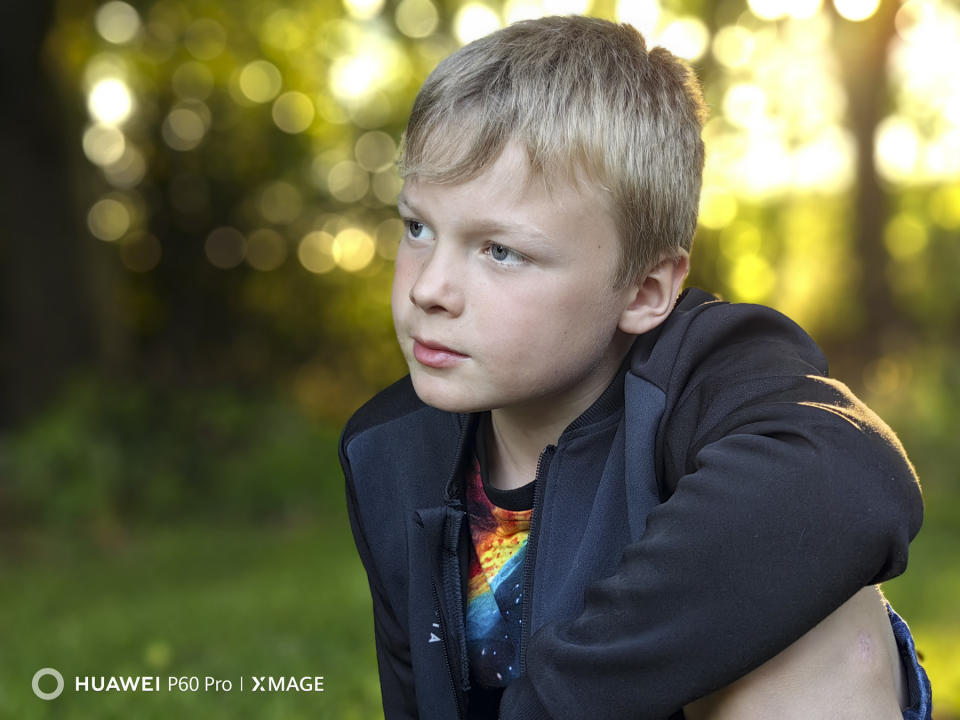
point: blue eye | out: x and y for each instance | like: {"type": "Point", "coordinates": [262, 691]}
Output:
{"type": "Point", "coordinates": [416, 230]}
{"type": "Point", "coordinates": [503, 255]}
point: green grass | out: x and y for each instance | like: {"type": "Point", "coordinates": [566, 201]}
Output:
{"type": "Point", "coordinates": [195, 601]}
{"type": "Point", "coordinates": [241, 601]}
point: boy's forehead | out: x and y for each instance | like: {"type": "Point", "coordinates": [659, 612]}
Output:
{"type": "Point", "coordinates": [510, 185]}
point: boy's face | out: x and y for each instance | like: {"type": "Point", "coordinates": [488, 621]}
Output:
{"type": "Point", "coordinates": [503, 295]}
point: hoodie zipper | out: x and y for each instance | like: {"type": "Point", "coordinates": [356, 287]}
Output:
{"type": "Point", "coordinates": [530, 560]}
{"type": "Point", "coordinates": [446, 654]}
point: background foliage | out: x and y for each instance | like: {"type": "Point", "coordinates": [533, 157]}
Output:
{"type": "Point", "coordinates": [197, 233]}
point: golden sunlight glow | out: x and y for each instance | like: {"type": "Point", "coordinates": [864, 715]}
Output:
{"type": "Point", "coordinates": [103, 144]}
{"type": "Point", "coordinates": [945, 207]}
{"type": "Point", "coordinates": [315, 252]}
{"type": "Point", "coordinates": [110, 102]}
{"type": "Point", "coordinates": [856, 10]}
{"type": "Point", "coordinates": [375, 151]}
{"type": "Point", "coordinates": [905, 236]}
{"type": "Point", "coordinates": [566, 7]}
{"type": "Point", "coordinates": [739, 239]}
{"type": "Point", "coordinates": [347, 181]}
{"type": "Point", "coordinates": [474, 20]}
{"type": "Point", "coordinates": [416, 18]}
{"type": "Point", "coordinates": [642, 14]}
{"type": "Point", "coordinates": [733, 46]}
{"type": "Point", "coordinates": [225, 247]}
{"type": "Point", "coordinates": [896, 148]}
{"type": "Point", "coordinates": [260, 81]}
{"type": "Point", "coordinates": [769, 9]}
{"type": "Point", "coordinates": [745, 104]}
{"type": "Point", "coordinates": [363, 9]}
{"type": "Point", "coordinates": [387, 185]}
{"type": "Point", "coordinates": [826, 163]}
{"type": "Point", "coordinates": [293, 112]}
{"type": "Point", "coordinates": [108, 219]}
{"type": "Point", "coordinates": [718, 208]}
{"type": "Point", "coordinates": [266, 250]}
{"type": "Point", "coordinates": [354, 77]}
{"type": "Point", "coordinates": [353, 249]}
{"type": "Point", "coordinates": [128, 170]}
{"type": "Point", "coordinates": [802, 9]}
{"type": "Point", "coordinates": [516, 10]}
{"type": "Point", "coordinates": [117, 22]}
{"type": "Point", "coordinates": [752, 279]}
{"type": "Point", "coordinates": [686, 37]}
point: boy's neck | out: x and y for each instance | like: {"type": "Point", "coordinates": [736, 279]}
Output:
{"type": "Point", "coordinates": [516, 437]}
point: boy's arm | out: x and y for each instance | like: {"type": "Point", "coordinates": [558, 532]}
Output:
{"type": "Point", "coordinates": [788, 497]}
{"type": "Point", "coordinates": [849, 666]}
{"type": "Point", "coordinates": [393, 645]}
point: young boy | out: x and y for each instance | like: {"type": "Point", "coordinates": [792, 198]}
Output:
{"type": "Point", "coordinates": [590, 498]}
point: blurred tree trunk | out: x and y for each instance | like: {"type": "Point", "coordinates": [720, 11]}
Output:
{"type": "Point", "coordinates": [48, 307]}
{"type": "Point", "coordinates": [862, 51]}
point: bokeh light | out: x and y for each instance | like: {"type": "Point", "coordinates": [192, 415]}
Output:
{"type": "Point", "coordinates": [347, 181]}
{"type": "Point", "coordinates": [280, 202]}
{"type": "Point", "coordinates": [905, 236]}
{"type": "Point", "coordinates": [293, 112]}
{"type": "Point", "coordinates": [110, 101]}
{"type": "Point", "coordinates": [642, 14]}
{"type": "Point", "coordinates": [416, 18]}
{"type": "Point", "coordinates": [856, 10]}
{"type": "Point", "coordinates": [474, 20]}
{"type": "Point", "coordinates": [353, 249]}
{"type": "Point", "coordinates": [686, 37]}
{"type": "Point", "coordinates": [108, 219]}
{"type": "Point", "coordinates": [363, 9]}
{"type": "Point", "coordinates": [205, 39]}
{"type": "Point", "coordinates": [375, 151]}
{"type": "Point", "coordinates": [769, 9]}
{"type": "Point", "coordinates": [315, 252]}
{"type": "Point", "coordinates": [117, 22]}
{"type": "Point", "coordinates": [733, 46]}
{"type": "Point", "coordinates": [140, 252]}
{"type": "Point", "coordinates": [184, 128]}
{"type": "Point", "coordinates": [103, 144]}
{"type": "Point", "coordinates": [266, 250]}
{"type": "Point", "coordinates": [260, 81]}
{"type": "Point", "coordinates": [225, 247]}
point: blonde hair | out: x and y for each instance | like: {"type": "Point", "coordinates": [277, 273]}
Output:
{"type": "Point", "coordinates": [585, 99]}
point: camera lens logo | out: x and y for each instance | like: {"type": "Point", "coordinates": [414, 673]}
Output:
{"type": "Point", "coordinates": [42, 673]}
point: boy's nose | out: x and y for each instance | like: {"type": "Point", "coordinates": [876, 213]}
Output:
{"type": "Point", "coordinates": [436, 287]}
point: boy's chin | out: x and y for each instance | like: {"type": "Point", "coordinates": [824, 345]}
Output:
{"type": "Point", "coordinates": [443, 399]}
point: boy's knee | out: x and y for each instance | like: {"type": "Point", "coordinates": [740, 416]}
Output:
{"type": "Point", "coordinates": [847, 667]}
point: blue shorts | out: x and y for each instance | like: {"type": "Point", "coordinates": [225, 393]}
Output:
{"type": "Point", "coordinates": [919, 693]}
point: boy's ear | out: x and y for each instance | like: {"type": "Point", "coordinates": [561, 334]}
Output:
{"type": "Point", "coordinates": [653, 297]}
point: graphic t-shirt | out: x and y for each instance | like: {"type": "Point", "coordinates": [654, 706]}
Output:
{"type": "Point", "coordinates": [495, 590]}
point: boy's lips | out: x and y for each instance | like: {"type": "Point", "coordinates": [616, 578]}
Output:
{"type": "Point", "coordinates": [435, 355]}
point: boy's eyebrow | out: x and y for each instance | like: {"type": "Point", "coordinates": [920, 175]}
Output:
{"type": "Point", "coordinates": [490, 226]}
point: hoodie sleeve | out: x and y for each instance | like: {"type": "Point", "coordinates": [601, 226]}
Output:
{"type": "Point", "coordinates": [784, 495]}
{"type": "Point", "coordinates": [397, 685]}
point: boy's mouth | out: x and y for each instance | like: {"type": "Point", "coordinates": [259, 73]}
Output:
{"type": "Point", "coordinates": [435, 355]}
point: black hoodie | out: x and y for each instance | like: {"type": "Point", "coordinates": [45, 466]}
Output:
{"type": "Point", "coordinates": [715, 503]}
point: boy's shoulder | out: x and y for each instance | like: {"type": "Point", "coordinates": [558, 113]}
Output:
{"type": "Point", "coordinates": [707, 335]}
{"type": "Point", "coordinates": [399, 403]}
